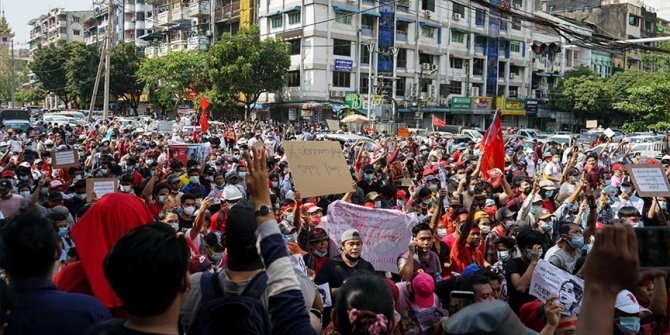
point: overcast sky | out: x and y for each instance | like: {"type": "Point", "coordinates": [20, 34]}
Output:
{"type": "Point", "coordinates": [19, 12]}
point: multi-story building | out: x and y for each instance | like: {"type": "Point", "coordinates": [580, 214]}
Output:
{"type": "Point", "coordinates": [133, 20]}
{"type": "Point", "coordinates": [58, 24]}
{"type": "Point", "coordinates": [181, 25]}
{"type": "Point", "coordinates": [450, 59]}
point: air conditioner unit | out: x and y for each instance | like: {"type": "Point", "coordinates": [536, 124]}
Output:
{"type": "Point", "coordinates": [457, 16]}
{"type": "Point", "coordinates": [426, 13]}
{"type": "Point", "coordinates": [511, 76]}
{"type": "Point", "coordinates": [431, 92]}
{"type": "Point", "coordinates": [425, 66]}
{"type": "Point", "coordinates": [512, 93]}
{"type": "Point", "coordinates": [423, 95]}
{"type": "Point", "coordinates": [474, 91]}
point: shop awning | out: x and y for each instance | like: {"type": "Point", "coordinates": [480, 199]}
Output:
{"type": "Point", "coordinates": [430, 24]}
{"type": "Point", "coordinates": [344, 9]}
{"type": "Point", "coordinates": [275, 13]}
{"type": "Point", "coordinates": [292, 9]}
{"type": "Point", "coordinates": [406, 20]}
{"type": "Point", "coordinates": [371, 13]}
{"type": "Point", "coordinates": [180, 25]}
{"type": "Point", "coordinates": [152, 36]}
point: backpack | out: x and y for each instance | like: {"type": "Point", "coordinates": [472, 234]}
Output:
{"type": "Point", "coordinates": [219, 314]}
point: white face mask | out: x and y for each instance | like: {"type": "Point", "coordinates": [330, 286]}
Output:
{"type": "Point", "coordinates": [556, 160]}
{"type": "Point", "coordinates": [189, 210]}
{"type": "Point", "coordinates": [441, 232]}
{"type": "Point", "coordinates": [485, 229]}
{"type": "Point", "coordinates": [125, 188]}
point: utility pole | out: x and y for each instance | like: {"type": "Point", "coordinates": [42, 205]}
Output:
{"type": "Point", "coordinates": [13, 72]}
{"type": "Point", "coordinates": [372, 49]}
{"type": "Point", "coordinates": [101, 63]}
{"type": "Point", "coordinates": [108, 56]}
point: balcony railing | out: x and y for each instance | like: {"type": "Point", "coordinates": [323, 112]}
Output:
{"type": "Point", "coordinates": [197, 43]}
{"type": "Point", "coordinates": [401, 36]}
{"type": "Point", "coordinates": [179, 45]}
{"type": "Point", "coordinates": [151, 51]}
{"type": "Point", "coordinates": [198, 9]}
{"type": "Point", "coordinates": [366, 30]}
{"type": "Point", "coordinates": [180, 14]}
{"type": "Point", "coordinates": [227, 12]}
{"type": "Point", "coordinates": [164, 18]}
{"type": "Point", "coordinates": [163, 49]}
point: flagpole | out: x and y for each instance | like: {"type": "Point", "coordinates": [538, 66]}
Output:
{"type": "Point", "coordinates": [488, 132]}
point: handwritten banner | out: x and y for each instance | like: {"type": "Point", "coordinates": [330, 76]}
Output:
{"type": "Point", "coordinates": [100, 186]}
{"type": "Point", "coordinates": [318, 168]}
{"type": "Point", "coordinates": [549, 280]}
{"type": "Point", "coordinates": [333, 125]}
{"type": "Point", "coordinates": [385, 232]}
{"type": "Point", "coordinates": [64, 159]}
{"type": "Point", "coordinates": [649, 180]}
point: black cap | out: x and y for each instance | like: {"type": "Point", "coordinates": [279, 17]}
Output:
{"type": "Point", "coordinates": [55, 196]}
{"type": "Point", "coordinates": [317, 234]}
{"type": "Point", "coordinates": [214, 239]}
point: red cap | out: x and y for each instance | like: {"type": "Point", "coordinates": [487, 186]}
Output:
{"type": "Point", "coordinates": [7, 174]}
{"type": "Point", "coordinates": [528, 314]}
{"type": "Point", "coordinates": [401, 194]}
{"type": "Point", "coordinates": [652, 161]}
{"type": "Point", "coordinates": [616, 166]}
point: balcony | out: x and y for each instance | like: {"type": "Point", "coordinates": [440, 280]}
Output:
{"type": "Point", "coordinates": [129, 7]}
{"type": "Point", "coordinates": [227, 12]}
{"type": "Point", "coordinates": [151, 51]}
{"type": "Point", "coordinates": [179, 45]}
{"type": "Point", "coordinates": [180, 14]}
{"type": "Point", "coordinates": [197, 43]}
{"type": "Point", "coordinates": [401, 36]}
{"type": "Point", "coordinates": [366, 30]}
{"type": "Point", "coordinates": [199, 9]}
{"type": "Point", "coordinates": [164, 18]}
{"type": "Point", "coordinates": [163, 49]}
{"type": "Point", "coordinates": [129, 25]}
{"type": "Point", "coordinates": [479, 49]}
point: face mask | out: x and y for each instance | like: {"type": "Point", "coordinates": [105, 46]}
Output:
{"type": "Point", "coordinates": [460, 177]}
{"type": "Point", "coordinates": [44, 191]}
{"type": "Point", "coordinates": [529, 253]}
{"type": "Point", "coordinates": [546, 227]}
{"type": "Point", "coordinates": [378, 204]}
{"type": "Point", "coordinates": [575, 180]}
{"type": "Point", "coordinates": [503, 255]}
{"type": "Point", "coordinates": [527, 191]}
{"type": "Point", "coordinates": [577, 242]}
{"type": "Point", "coordinates": [629, 325]}
{"type": "Point", "coordinates": [81, 196]}
{"type": "Point", "coordinates": [574, 208]}
{"type": "Point", "coordinates": [351, 258]}
{"type": "Point", "coordinates": [535, 209]}
{"type": "Point", "coordinates": [549, 193]}
{"type": "Point", "coordinates": [485, 229]}
{"type": "Point", "coordinates": [432, 187]}
{"type": "Point", "coordinates": [319, 253]}
{"type": "Point", "coordinates": [626, 190]}
{"type": "Point", "coordinates": [441, 232]}
{"type": "Point", "coordinates": [149, 162]}
{"type": "Point", "coordinates": [130, 167]}
{"type": "Point", "coordinates": [315, 221]}
{"type": "Point", "coordinates": [209, 178]}
{"type": "Point", "coordinates": [216, 257]}
{"type": "Point", "coordinates": [428, 202]}
{"type": "Point", "coordinates": [237, 156]}
{"type": "Point", "coordinates": [62, 231]}
{"type": "Point", "coordinates": [242, 175]}
{"type": "Point", "coordinates": [174, 226]}
{"type": "Point", "coordinates": [471, 189]}
{"type": "Point", "coordinates": [25, 194]}
{"type": "Point", "coordinates": [103, 171]}
{"type": "Point", "coordinates": [663, 204]}
{"type": "Point", "coordinates": [189, 210]}
{"type": "Point", "coordinates": [368, 176]}
{"type": "Point", "coordinates": [555, 160]}
{"type": "Point", "coordinates": [124, 188]}
{"type": "Point", "coordinates": [161, 199]}
{"type": "Point", "coordinates": [194, 179]}
{"type": "Point", "coordinates": [23, 178]}
{"type": "Point", "coordinates": [289, 217]}
{"type": "Point", "coordinates": [399, 203]}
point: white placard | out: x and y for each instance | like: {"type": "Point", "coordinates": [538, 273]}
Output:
{"type": "Point", "coordinates": [324, 292]}
{"type": "Point", "coordinates": [609, 132]}
{"type": "Point", "coordinates": [100, 186]}
{"type": "Point", "coordinates": [549, 280]}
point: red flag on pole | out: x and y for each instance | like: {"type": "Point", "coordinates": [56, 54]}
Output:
{"type": "Point", "coordinates": [204, 123]}
{"type": "Point", "coordinates": [493, 147]}
{"type": "Point", "coordinates": [437, 122]}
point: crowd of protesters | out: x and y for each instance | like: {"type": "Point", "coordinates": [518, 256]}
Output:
{"type": "Point", "coordinates": [226, 244]}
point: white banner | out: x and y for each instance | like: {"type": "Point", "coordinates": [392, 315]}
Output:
{"type": "Point", "coordinates": [385, 232]}
{"type": "Point", "coordinates": [549, 280]}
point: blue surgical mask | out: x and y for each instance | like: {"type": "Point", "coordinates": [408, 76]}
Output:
{"type": "Point", "coordinates": [626, 190]}
{"type": "Point", "coordinates": [549, 193]}
{"type": "Point", "coordinates": [289, 217]}
{"type": "Point", "coordinates": [399, 203]}
{"type": "Point", "coordinates": [242, 175]}
{"type": "Point", "coordinates": [535, 209]}
{"type": "Point", "coordinates": [629, 325]}
{"type": "Point", "coordinates": [503, 255]}
{"type": "Point", "coordinates": [432, 187]}
{"type": "Point", "coordinates": [378, 204]}
{"type": "Point", "coordinates": [216, 257]}
{"type": "Point", "coordinates": [663, 204]}
{"type": "Point", "coordinates": [319, 253]}
{"type": "Point", "coordinates": [62, 231]}
{"type": "Point", "coordinates": [574, 207]}
{"type": "Point", "coordinates": [546, 227]}
{"type": "Point", "coordinates": [368, 176]}
{"type": "Point", "coordinates": [575, 179]}
{"type": "Point", "coordinates": [194, 179]}
{"type": "Point", "coordinates": [577, 242]}
{"type": "Point", "coordinates": [441, 232]}
{"type": "Point", "coordinates": [529, 253]}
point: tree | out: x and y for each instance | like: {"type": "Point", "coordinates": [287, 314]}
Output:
{"type": "Point", "coordinates": [241, 66]}
{"type": "Point", "coordinates": [81, 68]}
{"type": "Point", "coordinates": [619, 84]}
{"type": "Point", "coordinates": [49, 65]}
{"type": "Point", "coordinates": [171, 77]}
{"type": "Point", "coordinates": [29, 95]}
{"type": "Point", "coordinates": [125, 83]}
{"type": "Point", "coordinates": [585, 95]}
{"type": "Point", "coordinates": [649, 103]}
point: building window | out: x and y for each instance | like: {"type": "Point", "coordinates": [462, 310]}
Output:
{"type": "Point", "coordinates": [425, 58]}
{"type": "Point", "coordinates": [76, 32]}
{"type": "Point", "coordinates": [400, 87]}
{"type": "Point", "coordinates": [502, 45]}
{"type": "Point", "coordinates": [516, 23]}
{"type": "Point", "coordinates": [149, 14]}
{"type": "Point", "coordinates": [515, 70]}
{"type": "Point", "coordinates": [501, 90]}
{"type": "Point", "coordinates": [139, 32]}
{"type": "Point", "coordinates": [428, 32]}
{"type": "Point", "coordinates": [513, 91]}
{"type": "Point", "coordinates": [477, 67]}
{"type": "Point", "coordinates": [503, 22]}
{"type": "Point", "coordinates": [428, 5]}
{"type": "Point", "coordinates": [294, 45]}
{"type": "Point", "coordinates": [518, 4]}
{"type": "Point", "coordinates": [341, 47]}
{"type": "Point", "coordinates": [139, 16]}
{"type": "Point", "coordinates": [364, 83]}
{"type": "Point", "coordinates": [480, 17]}
{"type": "Point", "coordinates": [343, 17]}
{"type": "Point", "coordinates": [402, 58]}
{"type": "Point", "coordinates": [575, 58]}
{"type": "Point", "coordinates": [454, 87]}
{"type": "Point", "coordinates": [633, 20]}
{"type": "Point", "coordinates": [63, 30]}
{"type": "Point", "coordinates": [515, 46]}
{"type": "Point", "coordinates": [365, 55]}
{"type": "Point", "coordinates": [457, 36]}
{"type": "Point", "coordinates": [294, 79]}
{"type": "Point", "coordinates": [459, 9]}
{"type": "Point", "coordinates": [501, 69]}
{"type": "Point", "coordinates": [457, 63]}
{"type": "Point", "coordinates": [276, 21]}
{"type": "Point", "coordinates": [294, 17]}
{"type": "Point", "coordinates": [342, 79]}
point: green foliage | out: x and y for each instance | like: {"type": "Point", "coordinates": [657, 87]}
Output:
{"type": "Point", "coordinates": [80, 71]}
{"type": "Point", "coordinates": [243, 63]}
{"type": "Point", "coordinates": [583, 94]}
{"type": "Point", "coordinates": [49, 65]}
{"type": "Point", "coordinates": [124, 82]}
{"type": "Point", "coordinates": [620, 82]}
{"type": "Point", "coordinates": [29, 95]}
{"type": "Point", "coordinates": [169, 78]}
{"type": "Point", "coordinates": [649, 103]}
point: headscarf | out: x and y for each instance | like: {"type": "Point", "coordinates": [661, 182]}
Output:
{"type": "Point", "coordinates": [98, 231]}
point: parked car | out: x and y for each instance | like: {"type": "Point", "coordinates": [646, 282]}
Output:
{"type": "Point", "coordinates": [55, 120]}
{"type": "Point", "coordinates": [78, 116]}
{"type": "Point", "coordinates": [562, 139]}
{"type": "Point", "coordinates": [23, 125]}
{"type": "Point", "coordinates": [473, 134]}
{"type": "Point", "coordinates": [531, 134]}
{"type": "Point", "coordinates": [588, 137]}
{"type": "Point", "coordinates": [14, 114]}
{"type": "Point", "coordinates": [161, 127]}
{"type": "Point", "coordinates": [349, 139]}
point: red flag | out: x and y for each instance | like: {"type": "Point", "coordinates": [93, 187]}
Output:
{"type": "Point", "coordinates": [204, 103]}
{"type": "Point", "coordinates": [438, 122]}
{"type": "Point", "coordinates": [204, 123]}
{"type": "Point", "coordinates": [493, 147]}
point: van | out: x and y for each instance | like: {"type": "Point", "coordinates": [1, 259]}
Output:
{"type": "Point", "coordinates": [14, 114]}
{"type": "Point", "coordinates": [473, 134]}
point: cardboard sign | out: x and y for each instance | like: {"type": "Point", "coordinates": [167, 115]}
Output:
{"type": "Point", "coordinates": [609, 132]}
{"type": "Point", "coordinates": [64, 159]}
{"type": "Point", "coordinates": [333, 125]}
{"type": "Point", "coordinates": [403, 132]}
{"type": "Point", "coordinates": [324, 292]}
{"type": "Point", "coordinates": [318, 168]}
{"type": "Point", "coordinates": [385, 232]}
{"type": "Point", "coordinates": [649, 180]}
{"type": "Point", "coordinates": [100, 186]}
{"type": "Point", "coordinates": [549, 280]}
{"type": "Point", "coordinates": [591, 124]}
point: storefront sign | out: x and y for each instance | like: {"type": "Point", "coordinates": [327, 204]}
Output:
{"type": "Point", "coordinates": [343, 65]}
{"type": "Point", "coordinates": [531, 106]}
{"type": "Point", "coordinates": [461, 105]}
{"type": "Point", "coordinates": [512, 106]}
{"type": "Point", "coordinates": [482, 105]}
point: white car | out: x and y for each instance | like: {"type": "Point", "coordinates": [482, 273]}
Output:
{"type": "Point", "coordinates": [56, 120]}
{"type": "Point", "coordinates": [562, 139]}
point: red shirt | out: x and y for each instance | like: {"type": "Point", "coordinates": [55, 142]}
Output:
{"type": "Point", "coordinates": [461, 257]}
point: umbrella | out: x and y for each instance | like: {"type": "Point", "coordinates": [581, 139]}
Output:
{"type": "Point", "coordinates": [355, 119]}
